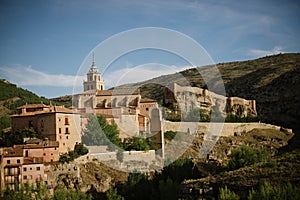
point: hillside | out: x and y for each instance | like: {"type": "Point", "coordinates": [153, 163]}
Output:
{"type": "Point", "coordinates": [273, 81]}
{"type": "Point", "coordinates": [12, 97]}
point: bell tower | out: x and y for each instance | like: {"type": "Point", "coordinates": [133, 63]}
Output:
{"type": "Point", "coordinates": [94, 81]}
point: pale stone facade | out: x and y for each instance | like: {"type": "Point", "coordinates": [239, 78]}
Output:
{"type": "Point", "coordinates": [55, 123]}
{"type": "Point", "coordinates": [187, 98]}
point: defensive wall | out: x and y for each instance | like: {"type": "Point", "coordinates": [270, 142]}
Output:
{"type": "Point", "coordinates": [227, 129]}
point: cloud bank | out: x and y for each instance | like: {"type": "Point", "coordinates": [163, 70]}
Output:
{"type": "Point", "coordinates": [27, 76]}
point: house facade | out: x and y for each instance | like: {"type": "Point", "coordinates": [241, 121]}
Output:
{"type": "Point", "coordinates": [25, 163]}
{"type": "Point", "coordinates": [55, 123]}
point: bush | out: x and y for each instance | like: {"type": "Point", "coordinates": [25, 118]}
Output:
{"type": "Point", "coordinates": [268, 192]}
{"type": "Point", "coordinates": [226, 194]}
{"type": "Point", "coordinates": [244, 156]}
{"type": "Point", "coordinates": [169, 135]}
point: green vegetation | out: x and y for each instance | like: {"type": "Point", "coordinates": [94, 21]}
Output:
{"type": "Point", "coordinates": [4, 122]}
{"type": "Point", "coordinates": [99, 132]}
{"type": "Point", "coordinates": [112, 194]}
{"type": "Point", "coordinates": [235, 118]}
{"type": "Point", "coordinates": [244, 156]}
{"type": "Point", "coordinates": [28, 191]}
{"type": "Point", "coordinates": [64, 194]}
{"type": "Point", "coordinates": [196, 115]}
{"type": "Point", "coordinates": [268, 192]}
{"type": "Point", "coordinates": [161, 185]}
{"type": "Point", "coordinates": [136, 143]}
{"type": "Point", "coordinates": [169, 135]}
{"type": "Point", "coordinates": [226, 194]}
{"type": "Point", "coordinates": [79, 150]}
{"type": "Point", "coordinates": [15, 96]}
{"type": "Point", "coordinates": [10, 139]}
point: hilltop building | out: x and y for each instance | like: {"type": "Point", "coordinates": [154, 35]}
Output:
{"type": "Point", "coordinates": [187, 98]}
{"type": "Point", "coordinates": [123, 106]}
{"type": "Point", "coordinates": [55, 123]}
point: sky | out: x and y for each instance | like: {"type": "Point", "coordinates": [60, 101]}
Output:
{"type": "Point", "coordinates": [46, 46]}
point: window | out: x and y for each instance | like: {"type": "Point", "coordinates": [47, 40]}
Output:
{"type": "Point", "coordinates": [30, 168]}
{"type": "Point", "coordinates": [38, 168]}
{"type": "Point", "coordinates": [147, 109]}
{"type": "Point", "coordinates": [64, 144]}
{"type": "Point", "coordinates": [67, 137]}
{"type": "Point", "coordinates": [18, 161]}
{"type": "Point", "coordinates": [44, 154]}
{"type": "Point", "coordinates": [67, 121]}
{"type": "Point", "coordinates": [26, 153]}
{"type": "Point", "coordinates": [24, 169]}
{"type": "Point", "coordinates": [67, 131]}
{"type": "Point", "coordinates": [8, 161]}
{"type": "Point", "coordinates": [24, 177]}
{"type": "Point", "coordinates": [59, 130]}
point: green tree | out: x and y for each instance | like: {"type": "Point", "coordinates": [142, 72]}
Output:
{"type": "Point", "coordinates": [99, 132]}
{"type": "Point", "coordinates": [244, 156]}
{"type": "Point", "coordinates": [80, 149]}
{"type": "Point", "coordinates": [136, 143]}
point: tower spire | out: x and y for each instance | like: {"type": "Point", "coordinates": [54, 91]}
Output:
{"type": "Point", "coordinates": [93, 59]}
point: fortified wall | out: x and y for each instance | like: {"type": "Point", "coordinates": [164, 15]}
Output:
{"type": "Point", "coordinates": [228, 129]}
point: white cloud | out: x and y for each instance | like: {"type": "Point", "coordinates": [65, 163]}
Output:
{"type": "Point", "coordinates": [27, 76]}
{"type": "Point", "coordinates": [140, 73]}
{"type": "Point", "coordinates": [261, 52]}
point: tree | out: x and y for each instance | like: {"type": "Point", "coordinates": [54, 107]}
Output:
{"type": "Point", "coordinates": [99, 132]}
{"type": "Point", "coordinates": [244, 156]}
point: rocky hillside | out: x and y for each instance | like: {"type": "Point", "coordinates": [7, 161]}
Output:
{"type": "Point", "coordinates": [273, 81]}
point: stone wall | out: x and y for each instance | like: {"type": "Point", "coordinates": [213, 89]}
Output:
{"type": "Point", "coordinates": [227, 129]}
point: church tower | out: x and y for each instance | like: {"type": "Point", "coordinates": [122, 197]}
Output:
{"type": "Point", "coordinates": [94, 81]}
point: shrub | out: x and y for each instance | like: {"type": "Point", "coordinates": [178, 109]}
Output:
{"type": "Point", "coordinates": [268, 192]}
{"type": "Point", "coordinates": [244, 156]}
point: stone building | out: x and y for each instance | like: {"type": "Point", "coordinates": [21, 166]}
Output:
{"type": "Point", "coordinates": [187, 98]}
{"type": "Point", "coordinates": [123, 106]}
{"type": "Point", "coordinates": [55, 123]}
{"type": "Point", "coordinates": [25, 163]}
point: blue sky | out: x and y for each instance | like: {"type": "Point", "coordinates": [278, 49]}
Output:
{"type": "Point", "coordinates": [44, 43]}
